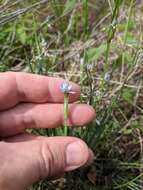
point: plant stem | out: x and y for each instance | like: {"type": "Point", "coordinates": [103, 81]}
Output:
{"type": "Point", "coordinates": [66, 99]}
{"type": "Point", "coordinates": [111, 32]}
{"type": "Point", "coordinates": [125, 36]}
{"type": "Point", "coordinates": [85, 16]}
{"type": "Point", "coordinates": [110, 6]}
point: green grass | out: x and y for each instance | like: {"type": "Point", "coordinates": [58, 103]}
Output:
{"type": "Point", "coordinates": [99, 45]}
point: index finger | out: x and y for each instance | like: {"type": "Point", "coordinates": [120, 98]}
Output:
{"type": "Point", "coordinates": [26, 87]}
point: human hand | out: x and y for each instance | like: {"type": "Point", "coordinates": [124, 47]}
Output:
{"type": "Point", "coordinates": [33, 101]}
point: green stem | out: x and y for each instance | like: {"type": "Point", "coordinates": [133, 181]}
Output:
{"type": "Point", "coordinates": [111, 32]}
{"type": "Point", "coordinates": [66, 99]}
{"type": "Point", "coordinates": [128, 22]}
{"type": "Point", "coordinates": [126, 34]}
{"type": "Point", "coordinates": [85, 16]}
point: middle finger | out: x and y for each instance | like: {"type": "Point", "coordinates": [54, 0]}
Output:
{"type": "Point", "coordinates": [29, 115]}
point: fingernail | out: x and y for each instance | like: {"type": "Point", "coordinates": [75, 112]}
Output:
{"type": "Point", "coordinates": [77, 155]}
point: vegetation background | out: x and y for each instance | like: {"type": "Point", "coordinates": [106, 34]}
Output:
{"type": "Point", "coordinates": [99, 45]}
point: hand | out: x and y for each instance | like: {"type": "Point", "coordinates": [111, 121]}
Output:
{"type": "Point", "coordinates": [32, 101]}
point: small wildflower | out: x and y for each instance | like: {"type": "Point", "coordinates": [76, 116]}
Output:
{"type": "Point", "coordinates": [114, 24]}
{"type": "Point", "coordinates": [66, 88]}
{"type": "Point", "coordinates": [90, 67]}
{"type": "Point", "coordinates": [97, 93]}
{"type": "Point", "coordinates": [107, 77]}
{"type": "Point", "coordinates": [82, 61]}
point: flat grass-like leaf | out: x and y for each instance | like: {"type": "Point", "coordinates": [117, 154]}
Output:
{"type": "Point", "coordinates": [95, 53]}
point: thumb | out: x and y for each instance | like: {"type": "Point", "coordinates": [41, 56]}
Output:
{"type": "Point", "coordinates": [34, 158]}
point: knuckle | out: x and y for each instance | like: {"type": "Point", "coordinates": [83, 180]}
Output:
{"type": "Point", "coordinates": [52, 161]}
{"type": "Point", "coordinates": [28, 121]}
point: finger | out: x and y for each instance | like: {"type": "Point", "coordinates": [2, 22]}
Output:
{"type": "Point", "coordinates": [25, 87]}
{"type": "Point", "coordinates": [36, 158]}
{"type": "Point", "coordinates": [28, 115]}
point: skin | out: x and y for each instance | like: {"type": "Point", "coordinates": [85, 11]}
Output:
{"type": "Point", "coordinates": [33, 101]}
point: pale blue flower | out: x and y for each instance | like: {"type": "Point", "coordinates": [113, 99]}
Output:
{"type": "Point", "coordinates": [90, 66]}
{"type": "Point", "coordinates": [97, 93]}
{"type": "Point", "coordinates": [66, 88]}
{"type": "Point", "coordinates": [107, 77]}
{"type": "Point", "coordinates": [81, 61]}
{"type": "Point", "coordinates": [114, 24]}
